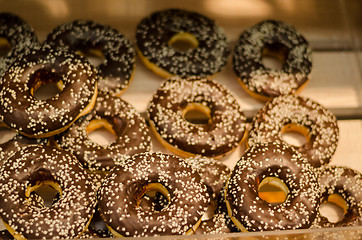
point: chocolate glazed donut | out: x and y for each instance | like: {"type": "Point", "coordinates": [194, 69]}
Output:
{"type": "Point", "coordinates": [19, 36]}
{"type": "Point", "coordinates": [223, 131]}
{"type": "Point", "coordinates": [272, 160]}
{"type": "Point", "coordinates": [121, 193]}
{"type": "Point", "coordinates": [299, 114]}
{"type": "Point", "coordinates": [342, 186]}
{"type": "Point", "coordinates": [156, 33]}
{"type": "Point", "coordinates": [120, 118]}
{"type": "Point", "coordinates": [32, 167]}
{"type": "Point", "coordinates": [33, 117]}
{"type": "Point", "coordinates": [116, 70]}
{"type": "Point", "coordinates": [278, 39]}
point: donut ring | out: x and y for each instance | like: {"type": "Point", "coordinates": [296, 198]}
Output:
{"type": "Point", "coordinates": [272, 37]}
{"type": "Point", "coordinates": [213, 173]}
{"type": "Point", "coordinates": [32, 167]}
{"type": "Point", "coordinates": [119, 117]}
{"type": "Point", "coordinates": [121, 192]}
{"type": "Point", "coordinates": [32, 117]}
{"type": "Point", "coordinates": [18, 141]}
{"type": "Point", "coordinates": [156, 33]}
{"type": "Point", "coordinates": [18, 35]}
{"type": "Point", "coordinates": [272, 160]}
{"type": "Point", "coordinates": [116, 70]}
{"type": "Point", "coordinates": [300, 114]}
{"type": "Point", "coordinates": [220, 135]}
{"type": "Point", "coordinates": [336, 182]}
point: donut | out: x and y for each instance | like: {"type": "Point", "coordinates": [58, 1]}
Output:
{"type": "Point", "coordinates": [75, 77]}
{"type": "Point", "coordinates": [14, 144]}
{"type": "Point", "coordinates": [343, 187]}
{"type": "Point", "coordinates": [213, 173]}
{"type": "Point", "coordinates": [296, 178]}
{"type": "Point", "coordinates": [222, 132]}
{"type": "Point", "coordinates": [88, 37]}
{"type": "Point", "coordinates": [206, 48]}
{"type": "Point", "coordinates": [35, 166]}
{"type": "Point", "coordinates": [120, 195]}
{"type": "Point", "coordinates": [272, 38]}
{"type": "Point", "coordinates": [291, 113]}
{"type": "Point", "coordinates": [16, 36]}
{"type": "Point", "coordinates": [120, 118]}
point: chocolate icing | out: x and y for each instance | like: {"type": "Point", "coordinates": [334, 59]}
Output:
{"type": "Point", "coordinates": [67, 217]}
{"type": "Point", "coordinates": [154, 32]}
{"type": "Point", "coordinates": [33, 117]}
{"type": "Point", "coordinates": [247, 59]}
{"type": "Point", "coordinates": [302, 111]}
{"type": "Point", "coordinates": [222, 134]}
{"type": "Point", "coordinates": [120, 192]}
{"type": "Point", "coordinates": [116, 70]}
{"type": "Point", "coordinates": [347, 183]}
{"type": "Point", "coordinates": [19, 34]}
{"type": "Point", "coordinates": [274, 159]}
{"type": "Point", "coordinates": [132, 135]}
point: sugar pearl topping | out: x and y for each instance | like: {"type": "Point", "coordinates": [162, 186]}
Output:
{"type": "Point", "coordinates": [321, 124]}
{"type": "Point", "coordinates": [347, 183]}
{"type": "Point", "coordinates": [248, 55]}
{"type": "Point", "coordinates": [67, 217]}
{"type": "Point", "coordinates": [19, 34]}
{"type": "Point", "coordinates": [21, 110]}
{"type": "Point", "coordinates": [222, 134]}
{"type": "Point", "coordinates": [130, 130]}
{"type": "Point", "coordinates": [273, 160]}
{"type": "Point", "coordinates": [154, 32]}
{"type": "Point", "coordinates": [125, 185]}
{"type": "Point", "coordinates": [117, 68]}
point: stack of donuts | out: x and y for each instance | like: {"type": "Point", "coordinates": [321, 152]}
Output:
{"type": "Point", "coordinates": [187, 189]}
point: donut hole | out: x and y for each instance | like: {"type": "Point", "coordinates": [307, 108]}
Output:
{"type": "Point", "coordinates": [274, 55]}
{"type": "Point", "coordinates": [294, 134]}
{"type": "Point", "coordinates": [6, 134]}
{"type": "Point", "coordinates": [45, 84]}
{"type": "Point", "coordinates": [154, 197]}
{"type": "Point", "coordinates": [49, 191]}
{"type": "Point", "coordinates": [197, 113]}
{"type": "Point", "coordinates": [334, 208]}
{"type": "Point", "coordinates": [5, 47]}
{"type": "Point", "coordinates": [101, 132]}
{"type": "Point", "coordinates": [94, 55]}
{"type": "Point", "coordinates": [183, 42]}
{"type": "Point", "coordinates": [273, 190]}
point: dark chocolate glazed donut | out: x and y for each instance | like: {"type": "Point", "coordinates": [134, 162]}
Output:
{"type": "Point", "coordinates": [250, 212]}
{"type": "Point", "coordinates": [116, 70]}
{"type": "Point", "coordinates": [28, 169]}
{"type": "Point", "coordinates": [19, 35]}
{"type": "Point", "coordinates": [207, 58]}
{"type": "Point", "coordinates": [299, 114]}
{"type": "Point", "coordinates": [214, 175]}
{"type": "Point", "coordinates": [220, 135]}
{"type": "Point", "coordinates": [33, 117]}
{"type": "Point", "coordinates": [130, 130]}
{"type": "Point", "coordinates": [213, 172]}
{"type": "Point", "coordinates": [121, 192]}
{"type": "Point", "coordinates": [273, 36]}
{"type": "Point", "coordinates": [346, 183]}
{"type": "Point", "coordinates": [14, 144]}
